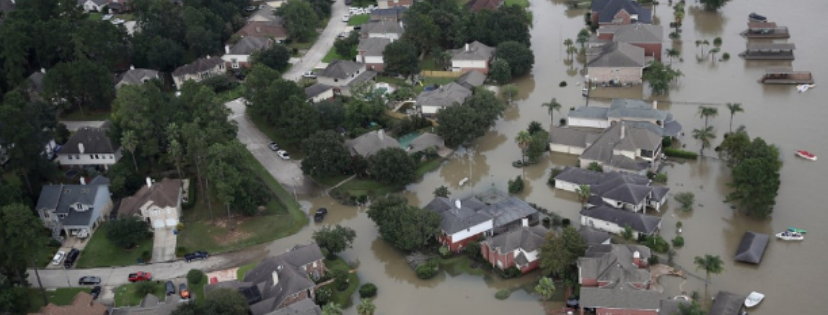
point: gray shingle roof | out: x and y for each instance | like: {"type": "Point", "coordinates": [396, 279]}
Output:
{"type": "Point", "coordinates": [727, 303]}
{"type": "Point", "coordinates": [752, 247]}
{"type": "Point", "coordinates": [614, 264]}
{"type": "Point", "coordinates": [382, 27]}
{"type": "Point", "coordinates": [630, 193]}
{"type": "Point", "coordinates": [634, 138]}
{"type": "Point", "coordinates": [628, 299]}
{"type": "Point", "coordinates": [641, 223]}
{"type": "Point", "coordinates": [670, 307]}
{"type": "Point", "coordinates": [136, 76]}
{"type": "Point", "coordinates": [580, 176]}
{"type": "Point", "coordinates": [571, 136]}
{"type": "Point", "coordinates": [162, 194]}
{"type": "Point", "coordinates": [60, 197]}
{"type": "Point", "coordinates": [616, 55]}
{"type": "Point", "coordinates": [397, 11]}
{"type": "Point", "coordinates": [268, 13]}
{"type": "Point", "coordinates": [373, 46]}
{"type": "Point", "coordinates": [370, 143]}
{"type": "Point", "coordinates": [476, 51]}
{"type": "Point", "coordinates": [472, 79]}
{"type": "Point", "coordinates": [303, 307]}
{"type": "Point", "coordinates": [591, 112]}
{"type": "Point", "coordinates": [634, 33]}
{"type": "Point", "coordinates": [607, 9]}
{"type": "Point", "coordinates": [36, 81]}
{"type": "Point", "coordinates": [95, 140]}
{"type": "Point", "coordinates": [455, 220]}
{"type": "Point", "coordinates": [363, 77]}
{"type": "Point", "coordinates": [623, 108]}
{"type": "Point", "coordinates": [528, 239]}
{"type": "Point", "coordinates": [316, 89]}
{"type": "Point", "coordinates": [341, 69]}
{"type": "Point", "coordinates": [592, 236]}
{"type": "Point", "coordinates": [425, 141]}
{"type": "Point", "coordinates": [770, 46]}
{"type": "Point", "coordinates": [612, 180]}
{"type": "Point", "coordinates": [198, 66]}
{"type": "Point", "coordinates": [660, 191]}
{"type": "Point", "coordinates": [509, 210]}
{"type": "Point", "coordinates": [446, 95]}
{"type": "Point", "coordinates": [249, 45]}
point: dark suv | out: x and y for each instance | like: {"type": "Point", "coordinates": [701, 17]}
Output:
{"type": "Point", "coordinates": [196, 255]}
{"type": "Point", "coordinates": [170, 288]}
{"type": "Point", "coordinates": [71, 258]}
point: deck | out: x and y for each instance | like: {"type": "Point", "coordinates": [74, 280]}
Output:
{"type": "Point", "coordinates": [757, 51]}
{"type": "Point", "coordinates": [774, 33]}
{"type": "Point", "coordinates": [797, 77]}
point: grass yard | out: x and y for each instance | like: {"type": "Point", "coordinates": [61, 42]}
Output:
{"type": "Point", "coordinates": [243, 270]}
{"type": "Point", "coordinates": [460, 264]}
{"type": "Point", "coordinates": [99, 252]}
{"type": "Point", "coordinates": [126, 295]}
{"type": "Point", "coordinates": [95, 16]}
{"type": "Point", "coordinates": [520, 3]}
{"type": "Point", "coordinates": [197, 290]}
{"type": "Point", "coordinates": [343, 298]}
{"type": "Point", "coordinates": [332, 55]}
{"type": "Point", "coordinates": [75, 115]}
{"type": "Point", "coordinates": [359, 19]}
{"type": "Point", "coordinates": [62, 296]}
{"type": "Point", "coordinates": [230, 95]}
{"type": "Point", "coordinates": [292, 146]}
{"type": "Point", "coordinates": [417, 88]}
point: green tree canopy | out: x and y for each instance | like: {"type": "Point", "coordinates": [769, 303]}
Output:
{"type": "Point", "coordinates": [659, 77]}
{"type": "Point", "coordinates": [225, 302]}
{"type": "Point", "coordinates": [519, 57]}
{"type": "Point", "coordinates": [20, 232]}
{"type": "Point", "coordinates": [755, 175]}
{"type": "Point", "coordinates": [300, 20]}
{"type": "Point", "coordinates": [400, 57]}
{"type": "Point", "coordinates": [276, 57]}
{"type": "Point", "coordinates": [326, 155]}
{"type": "Point", "coordinates": [346, 47]}
{"type": "Point", "coordinates": [713, 5]}
{"type": "Point", "coordinates": [405, 227]}
{"type": "Point", "coordinates": [500, 71]}
{"type": "Point", "coordinates": [392, 166]}
{"type": "Point", "coordinates": [127, 232]}
{"type": "Point", "coordinates": [334, 240]}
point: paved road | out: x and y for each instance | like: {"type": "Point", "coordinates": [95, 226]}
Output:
{"type": "Point", "coordinates": [323, 44]}
{"type": "Point", "coordinates": [75, 125]}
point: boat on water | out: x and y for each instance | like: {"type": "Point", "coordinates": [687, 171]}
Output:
{"type": "Point", "coordinates": [757, 17]}
{"type": "Point", "coordinates": [806, 155]}
{"type": "Point", "coordinates": [800, 231]}
{"type": "Point", "coordinates": [804, 87]}
{"type": "Point", "coordinates": [753, 299]}
{"type": "Point", "coordinates": [789, 236]}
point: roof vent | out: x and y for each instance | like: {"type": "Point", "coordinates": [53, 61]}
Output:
{"type": "Point", "coordinates": [80, 148]}
{"type": "Point", "coordinates": [458, 204]}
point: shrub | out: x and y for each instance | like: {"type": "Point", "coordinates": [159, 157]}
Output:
{"type": "Point", "coordinates": [144, 287]}
{"type": "Point", "coordinates": [194, 276]}
{"type": "Point", "coordinates": [555, 172]}
{"type": "Point", "coordinates": [562, 84]}
{"type": "Point", "coordinates": [444, 251]}
{"type": "Point", "coordinates": [679, 224]}
{"type": "Point", "coordinates": [146, 256]}
{"type": "Point", "coordinates": [427, 270]}
{"type": "Point", "coordinates": [686, 199]}
{"type": "Point", "coordinates": [674, 35]}
{"type": "Point", "coordinates": [563, 122]}
{"type": "Point", "coordinates": [503, 294]}
{"type": "Point", "coordinates": [516, 186]}
{"type": "Point", "coordinates": [565, 222]}
{"type": "Point", "coordinates": [679, 153]}
{"type": "Point", "coordinates": [666, 141]}
{"type": "Point", "coordinates": [473, 250]}
{"type": "Point", "coordinates": [547, 222]}
{"type": "Point", "coordinates": [324, 295]}
{"type": "Point", "coordinates": [678, 241]}
{"type": "Point", "coordinates": [653, 260]}
{"type": "Point", "coordinates": [660, 178]}
{"type": "Point", "coordinates": [340, 277]}
{"type": "Point", "coordinates": [657, 243]}
{"type": "Point", "coordinates": [180, 251]}
{"type": "Point", "coordinates": [55, 243]}
{"type": "Point", "coordinates": [726, 56]}
{"type": "Point", "coordinates": [671, 255]}
{"type": "Point", "coordinates": [511, 272]}
{"type": "Point", "coordinates": [219, 83]}
{"type": "Point", "coordinates": [367, 290]}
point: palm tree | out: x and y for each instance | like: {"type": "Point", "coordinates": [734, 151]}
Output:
{"type": "Point", "coordinates": [584, 193]}
{"type": "Point", "coordinates": [699, 43]}
{"type": "Point", "coordinates": [704, 136]}
{"type": "Point", "coordinates": [679, 16]}
{"type": "Point", "coordinates": [583, 37]}
{"type": "Point", "coordinates": [332, 309]}
{"type": "Point", "coordinates": [707, 112]}
{"type": "Point", "coordinates": [366, 307]}
{"type": "Point", "coordinates": [523, 139]}
{"type": "Point", "coordinates": [546, 288]}
{"type": "Point", "coordinates": [130, 143]}
{"type": "Point", "coordinates": [552, 106]}
{"type": "Point", "coordinates": [734, 108]}
{"type": "Point", "coordinates": [673, 53]}
{"type": "Point", "coordinates": [710, 264]}
{"type": "Point", "coordinates": [714, 51]}
{"type": "Point", "coordinates": [570, 51]}
{"type": "Point", "coordinates": [568, 42]}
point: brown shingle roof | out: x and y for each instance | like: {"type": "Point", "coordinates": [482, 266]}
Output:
{"type": "Point", "coordinates": [198, 66]}
{"type": "Point", "coordinates": [263, 29]}
{"type": "Point", "coordinates": [81, 305]}
{"type": "Point", "coordinates": [162, 194]}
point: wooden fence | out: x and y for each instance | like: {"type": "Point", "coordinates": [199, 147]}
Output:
{"type": "Point", "coordinates": [441, 74]}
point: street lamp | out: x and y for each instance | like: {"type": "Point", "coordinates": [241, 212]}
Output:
{"type": "Point", "coordinates": [589, 88]}
{"type": "Point", "coordinates": [65, 272]}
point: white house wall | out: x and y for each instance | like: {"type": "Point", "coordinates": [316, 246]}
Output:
{"type": "Point", "coordinates": [323, 96]}
{"type": "Point", "coordinates": [425, 109]}
{"type": "Point", "coordinates": [588, 123]}
{"type": "Point", "coordinates": [86, 159]}
{"type": "Point", "coordinates": [469, 64]}
{"type": "Point", "coordinates": [605, 226]}
{"type": "Point", "coordinates": [239, 59]}
{"type": "Point", "coordinates": [373, 60]}
{"type": "Point", "coordinates": [563, 185]}
{"type": "Point", "coordinates": [474, 230]}
{"type": "Point", "coordinates": [562, 148]}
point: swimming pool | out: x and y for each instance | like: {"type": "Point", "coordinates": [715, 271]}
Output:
{"type": "Point", "coordinates": [406, 139]}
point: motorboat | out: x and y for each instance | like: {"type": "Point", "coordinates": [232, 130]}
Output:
{"type": "Point", "coordinates": [806, 155]}
{"type": "Point", "coordinates": [805, 87]}
{"type": "Point", "coordinates": [757, 18]}
{"type": "Point", "coordinates": [789, 236]}
{"type": "Point", "coordinates": [800, 231]}
{"type": "Point", "coordinates": [753, 299]}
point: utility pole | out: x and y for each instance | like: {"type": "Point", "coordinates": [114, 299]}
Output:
{"type": "Point", "coordinates": [471, 160]}
{"type": "Point", "coordinates": [40, 284]}
{"type": "Point", "coordinates": [589, 89]}
{"type": "Point", "coordinates": [65, 272]}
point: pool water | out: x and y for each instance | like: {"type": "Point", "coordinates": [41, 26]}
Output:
{"type": "Point", "coordinates": [406, 139]}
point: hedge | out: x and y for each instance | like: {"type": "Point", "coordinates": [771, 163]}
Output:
{"type": "Point", "coordinates": [679, 153]}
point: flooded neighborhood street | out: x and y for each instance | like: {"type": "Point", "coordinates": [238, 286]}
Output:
{"type": "Point", "coordinates": [788, 275]}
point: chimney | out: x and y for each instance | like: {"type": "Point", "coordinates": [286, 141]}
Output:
{"type": "Point", "coordinates": [43, 70]}
{"type": "Point", "coordinates": [83, 180]}
{"type": "Point", "coordinates": [275, 275]}
{"type": "Point", "coordinates": [637, 259]}
{"type": "Point", "coordinates": [131, 67]}
{"type": "Point", "coordinates": [227, 49]}
{"type": "Point", "coordinates": [458, 204]}
{"type": "Point", "coordinates": [80, 147]}
{"type": "Point", "coordinates": [149, 182]}
{"type": "Point", "coordinates": [623, 130]}
{"type": "Point", "coordinates": [655, 104]}
{"type": "Point", "coordinates": [524, 222]}
{"type": "Point", "coordinates": [467, 46]}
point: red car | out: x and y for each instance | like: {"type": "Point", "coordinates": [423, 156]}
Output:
{"type": "Point", "coordinates": [140, 276]}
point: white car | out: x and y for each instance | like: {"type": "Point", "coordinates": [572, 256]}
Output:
{"type": "Point", "coordinates": [346, 18]}
{"type": "Point", "coordinates": [58, 258]}
{"type": "Point", "coordinates": [283, 154]}
{"type": "Point", "coordinates": [309, 75]}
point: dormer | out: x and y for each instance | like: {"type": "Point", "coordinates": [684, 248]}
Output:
{"type": "Point", "coordinates": [79, 207]}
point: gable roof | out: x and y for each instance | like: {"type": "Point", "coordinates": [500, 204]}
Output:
{"type": "Point", "coordinates": [136, 76]}
{"type": "Point", "coordinates": [477, 5]}
{"type": "Point", "coordinates": [373, 46]}
{"type": "Point", "coordinates": [163, 194]}
{"type": "Point", "coordinates": [641, 223]}
{"type": "Point", "coordinates": [607, 9]}
{"type": "Point", "coordinates": [623, 108]}
{"type": "Point", "coordinates": [752, 247]}
{"type": "Point", "coordinates": [60, 198]}
{"type": "Point", "coordinates": [727, 303]}
{"type": "Point", "coordinates": [249, 45]}
{"type": "Point", "coordinates": [614, 264]}
{"type": "Point", "coordinates": [341, 69]}
{"type": "Point", "coordinates": [572, 137]}
{"type": "Point", "coordinates": [472, 51]}
{"type": "Point", "coordinates": [509, 210]}
{"type": "Point", "coordinates": [370, 143]}
{"type": "Point", "coordinates": [382, 27]}
{"type": "Point", "coordinates": [201, 65]}
{"type": "Point", "coordinates": [444, 96]}
{"type": "Point", "coordinates": [670, 307]}
{"type": "Point", "coordinates": [303, 307]}
{"type": "Point", "coordinates": [590, 112]}
{"type": "Point", "coordinates": [631, 193]}
{"type": "Point", "coordinates": [528, 239]}
{"type": "Point", "coordinates": [630, 299]}
{"type": "Point", "coordinates": [592, 236]}
{"type": "Point", "coordinates": [454, 219]}
{"type": "Point", "coordinates": [625, 137]}
{"type": "Point", "coordinates": [36, 81]}
{"type": "Point", "coordinates": [634, 33]}
{"type": "Point", "coordinates": [82, 304]}
{"type": "Point", "coordinates": [392, 11]}
{"type": "Point", "coordinates": [471, 79]}
{"type": "Point", "coordinates": [316, 89]}
{"type": "Point", "coordinates": [580, 176]}
{"type": "Point", "coordinates": [263, 29]}
{"type": "Point", "coordinates": [267, 13]}
{"type": "Point", "coordinates": [425, 141]}
{"type": "Point", "coordinates": [94, 140]}
{"type": "Point", "coordinates": [616, 55]}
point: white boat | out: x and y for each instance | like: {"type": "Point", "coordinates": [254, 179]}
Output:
{"type": "Point", "coordinates": [804, 87]}
{"type": "Point", "coordinates": [753, 299]}
{"type": "Point", "coordinates": [789, 236]}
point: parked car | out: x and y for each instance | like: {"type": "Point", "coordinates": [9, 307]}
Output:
{"type": "Point", "coordinates": [58, 258]}
{"type": "Point", "coordinates": [70, 258]}
{"type": "Point", "coordinates": [140, 276]}
{"type": "Point", "coordinates": [183, 291]}
{"type": "Point", "coordinates": [344, 34]}
{"type": "Point", "coordinates": [89, 280]}
{"type": "Point", "coordinates": [196, 256]}
{"type": "Point", "coordinates": [320, 215]}
{"type": "Point", "coordinates": [95, 292]}
{"type": "Point", "coordinates": [283, 154]}
{"type": "Point", "coordinates": [310, 74]}
{"type": "Point", "coordinates": [348, 2]}
{"type": "Point", "coordinates": [170, 287]}
{"type": "Point", "coordinates": [346, 18]}
{"type": "Point", "coordinates": [83, 234]}
{"type": "Point", "coordinates": [358, 27]}
{"type": "Point", "coordinates": [251, 8]}
{"type": "Point", "coordinates": [273, 146]}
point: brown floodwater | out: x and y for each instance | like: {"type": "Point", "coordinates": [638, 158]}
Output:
{"type": "Point", "coordinates": [790, 274]}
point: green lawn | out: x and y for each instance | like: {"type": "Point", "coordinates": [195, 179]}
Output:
{"type": "Point", "coordinates": [460, 264]}
{"type": "Point", "coordinates": [230, 95]}
{"type": "Point", "coordinates": [197, 290]}
{"type": "Point", "coordinates": [125, 295]}
{"type": "Point", "coordinates": [243, 270]}
{"type": "Point", "coordinates": [358, 186]}
{"type": "Point", "coordinates": [99, 252]}
{"type": "Point", "coordinates": [332, 55]}
{"type": "Point", "coordinates": [87, 115]}
{"type": "Point", "coordinates": [290, 145]}
{"type": "Point", "coordinates": [520, 3]}
{"type": "Point", "coordinates": [359, 19]}
{"type": "Point", "coordinates": [62, 296]}
{"type": "Point", "coordinates": [95, 16]}
{"type": "Point", "coordinates": [343, 298]}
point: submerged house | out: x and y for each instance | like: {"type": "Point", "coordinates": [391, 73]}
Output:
{"type": "Point", "coordinates": [615, 279]}
{"type": "Point", "coordinates": [619, 12]}
{"type": "Point", "coordinates": [630, 110]}
{"type": "Point", "coordinates": [518, 248]}
{"type": "Point", "coordinates": [624, 191]}
{"type": "Point", "coordinates": [752, 247]}
{"type": "Point", "coordinates": [768, 51]}
{"type": "Point", "coordinates": [727, 303]}
{"type": "Point", "coordinates": [614, 220]}
{"type": "Point", "coordinates": [624, 147]}
{"type": "Point", "coordinates": [616, 63]}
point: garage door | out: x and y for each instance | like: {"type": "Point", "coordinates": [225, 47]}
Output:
{"type": "Point", "coordinates": [171, 222]}
{"type": "Point", "coordinates": [157, 224]}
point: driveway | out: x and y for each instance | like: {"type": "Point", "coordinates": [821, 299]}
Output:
{"type": "Point", "coordinates": [163, 245]}
{"type": "Point", "coordinates": [322, 45]}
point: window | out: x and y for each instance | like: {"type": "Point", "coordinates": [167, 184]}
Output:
{"type": "Point", "coordinates": [70, 157]}
{"type": "Point", "coordinates": [234, 63]}
{"type": "Point", "coordinates": [77, 157]}
{"type": "Point", "coordinates": [336, 80]}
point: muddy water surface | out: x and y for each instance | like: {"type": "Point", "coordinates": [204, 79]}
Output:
{"type": "Point", "coordinates": [790, 274]}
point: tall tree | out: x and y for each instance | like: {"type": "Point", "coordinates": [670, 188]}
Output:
{"type": "Point", "coordinates": [405, 227]}
{"type": "Point", "coordinates": [755, 172]}
{"type": "Point", "coordinates": [713, 5]}
{"type": "Point", "coordinates": [392, 166]}
{"type": "Point", "coordinates": [400, 57]}
{"type": "Point", "coordinates": [551, 107]}
{"type": "Point", "coordinates": [519, 56]}
{"type": "Point", "coordinates": [522, 139]}
{"type": "Point", "coordinates": [20, 232]}
{"type": "Point", "coordinates": [326, 155]}
{"type": "Point", "coordinates": [583, 37]}
{"type": "Point", "coordinates": [550, 258]}
{"type": "Point", "coordinates": [704, 136]}
{"type": "Point", "coordinates": [130, 143]}
{"type": "Point", "coordinates": [23, 124]}
{"type": "Point", "coordinates": [300, 20]}
{"type": "Point", "coordinates": [584, 193]}
{"type": "Point", "coordinates": [659, 77]}
{"type": "Point", "coordinates": [710, 264]}
{"type": "Point", "coordinates": [420, 31]}
{"type": "Point", "coordinates": [734, 108]}
{"type": "Point", "coordinates": [225, 302]}
{"type": "Point", "coordinates": [707, 112]}
{"type": "Point", "coordinates": [673, 53]}
{"type": "Point", "coordinates": [276, 57]}
{"type": "Point", "coordinates": [500, 71]}
{"type": "Point", "coordinates": [80, 83]}
{"type": "Point", "coordinates": [225, 176]}
{"type": "Point", "coordinates": [334, 240]}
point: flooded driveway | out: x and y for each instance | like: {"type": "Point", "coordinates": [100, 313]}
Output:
{"type": "Point", "coordinates": [789, 274]}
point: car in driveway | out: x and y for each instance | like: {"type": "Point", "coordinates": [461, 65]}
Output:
{"type": "Point", "coordinates": [199, 255]}
{"type": "Point", "coordinates": [273, 146]}
{"type": "Point", "coordinates": [70, 258]}
{"type": "Point", "coordinates": [139, 276]}
{"type": "Point", "coordinates": [183, 291]}
{"type": "Point", "coordinates": [96, 291]}
{"type": "Point", "coordinates": [320, 214]}
{"type": "Point", "coordinates": [346, 18]}
{"type": "Point", "coordinates": [58, 257]}
{"type": "Point", "coordinates": [170, 288]}
{"type": "Point", "coordinates": [310, 74]}
{"type": "Point", "coordinates": [283, 154]}
{"type": "Point", "coordinates": [89, 280]}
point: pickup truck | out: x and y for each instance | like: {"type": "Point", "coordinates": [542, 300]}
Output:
{"type": "Point", "coordinates": [140, 276]}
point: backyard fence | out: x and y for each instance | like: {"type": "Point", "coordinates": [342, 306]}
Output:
{"type": "Point", "coordinates": [441, 74]}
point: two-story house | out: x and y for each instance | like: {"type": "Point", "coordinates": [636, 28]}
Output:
{"type": "Point", "coordinates": [369, 52]}
{"type": "Point", "coordinates": [616, 63]}
{"type": "Point", "coordinates": [382, 29]}
{"type": "Point", "coordinates": [472, 56]}
{"type": "Point", "coordinates": [636, 112]}
{"type": "Point", "coordinates": [646, 36]}
{"type": "Point", "coordinates": [623, 147]}
{"type": "Point", "coordinates": [432, 101]}
{"type": "Point", "coordinates": [615, 280]}
{"type": "Point", "coordinates": [198, 70]}
{"type": "Point", "coordinates": [240, 54]}
{"type": "Point", "coordinates": [613, 220]}
{"type": "Point", "coordinates": [93, 5]}
{"type": "Point", "coordinates": [90, 146]}
{"type": "Point", "coordinates": [135, 77]}
{"type": "Point", "coordinates": [393, 14]}
{"type": "Point", "coordinates": [518, 248]}
{"type": "Point", "coordinates": [343, 74]}
{"type": "Point", "coordinates": [274, 30]}
{"type": "Point", "coordinates": [385, 4]}
{"type": "Point", "coordinates": [157, 203]}
{"type": "Point", "coordinates": [67, 210]}
{"type": "Point", "coordinates": [279, 281]}
{"type": "Point", "coordinates": [631, 192]}
{"type": "Point", "coordinates": [619, 12]}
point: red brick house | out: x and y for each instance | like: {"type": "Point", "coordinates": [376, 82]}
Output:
{"type": "Point", "coordinates": [646, 36]}
{"type": "Point", "coordinates": [462, 221]}
{"type": "Point", "coordinates": [518, 248]}
{"type": "Point", "coordinates": [619, 12]}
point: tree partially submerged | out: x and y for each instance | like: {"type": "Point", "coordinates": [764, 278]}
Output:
{"type": "Point", "coordinates": [405, 227]}
{"type": "Point", "coordinates": [334, 240]}
{"type": "Point", "coordinates": [659, 76]}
